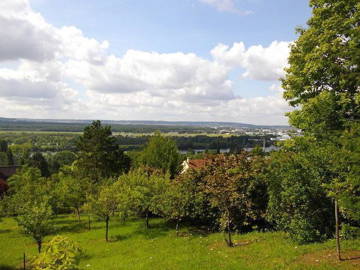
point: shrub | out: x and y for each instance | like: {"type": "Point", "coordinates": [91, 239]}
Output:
{"type": "Point", "coordinates": [61, 253]}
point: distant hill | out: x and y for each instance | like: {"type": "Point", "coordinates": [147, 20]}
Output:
{"type": "Point", "coordinates": [19, 123]}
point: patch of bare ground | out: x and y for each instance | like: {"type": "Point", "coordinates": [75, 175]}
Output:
{"type": "Point", "coordinates": [350, 259]}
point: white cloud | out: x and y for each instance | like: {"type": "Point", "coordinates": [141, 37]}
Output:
{"type": "Point", "coordinates": [225, 6]}
{"type": "Point", "coordinates": [260, 63]}
{"type": "Point", "coordinates": [24, 33]}
{"type": "Point", "coordinates": [61, 73]}
{"type": "Point", "coordinates": [177, 75]}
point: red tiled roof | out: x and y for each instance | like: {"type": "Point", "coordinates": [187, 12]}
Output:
{"type": "Point", "coordinates": [197, 163]}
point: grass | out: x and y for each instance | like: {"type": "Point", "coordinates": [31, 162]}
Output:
{"type": "Point", "coordinates": [134, 247]}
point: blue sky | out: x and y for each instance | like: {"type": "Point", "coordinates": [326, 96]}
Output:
{"type": "Point", "coordinates": [203, 60]}
{"type": "Point", "coordinates": [177, 25]}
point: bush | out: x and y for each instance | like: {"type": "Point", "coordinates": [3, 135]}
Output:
{"type": "Point", "coordinates": [349, 232]}
{"type": "Point", "coordinates": [61, 253]}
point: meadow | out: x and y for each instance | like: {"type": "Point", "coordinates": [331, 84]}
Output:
{"type": "Point", "coordinates": [132, 246]}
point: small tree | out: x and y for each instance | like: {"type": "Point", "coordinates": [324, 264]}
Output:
{"type": "Point", "coordinates": [71, 192]}
{"type": "Point", "coordinates": [60, 253]}
{"type": "Point", "coordinates": [105, 205]}
{"type": "Point", "coordinates": [231, 183]}
{"type": "Point", "coordinates": [143, 191]}
{"type": "Point", "coordinates": [175, 202]}
{"type": "Point", "coordinates": [35, 218]}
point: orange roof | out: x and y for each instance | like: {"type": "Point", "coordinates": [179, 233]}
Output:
{"type": "Point", "coordinates": [197, 163]}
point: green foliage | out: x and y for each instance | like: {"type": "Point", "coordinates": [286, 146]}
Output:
{"type": "Point", "coordinates": [323, 77]}
{"type": "Point", "coordinates": [162, 153]}
{"type": "Point", "coordinates": [37, 160]}
{"type": "Point", "coordinates": [21, 152]}
{"type": "Point", "coordinates": [234, 187]}
{"type": "Point", "coordinates": [142, 191]}
{"type": "Point", "coordinates": [6, 155]}
{"type": "Point", "coordinates": [349, 232]}
{"type": "Point", "coordinates": [99, 155]}
{"type": "Point", "coordinates": [35, 218]}
{"type": "Point", "coordinates": [298, 201]}
{"type": "Point", "coordinates": [30, 198]}
{"type": "Point", "coordinates": [175, 201]}
{"type": "Point", "coordinates": [105, 205]}
{"type": "Point", "coordinates": [70, 191]}
{"type": "Point", "coordinates": [60, 159]}
{"type": "Point", "coordinates": [61, 253]}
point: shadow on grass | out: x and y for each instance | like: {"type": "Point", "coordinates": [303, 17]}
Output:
{"type": "Point", "coordinates": [154, 231]}
{"type": "Point", "coordinates": [71, 227]}
{"type": "Point", "coordinates": [201, 231]}
{"type": "Point", "coordinates": [120, 237]}
{"type": "Point", "coordinates": [5, 231]}
{"type": "Point", "coordinates": [6, 267]}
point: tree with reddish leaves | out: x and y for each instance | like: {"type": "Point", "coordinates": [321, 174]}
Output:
{"type": "Point", "coordinates": [3, 187]}
{"type": "Point", "coordinates": [232, 183]}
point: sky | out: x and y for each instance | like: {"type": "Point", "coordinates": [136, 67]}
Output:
{"type": "Point", "coordinates": [175, 60]}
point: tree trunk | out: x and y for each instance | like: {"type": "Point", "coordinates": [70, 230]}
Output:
{"type": "Point", "coordinates": [177, 227]}
{"type": "Point", "coordinates": [24, 261]}
{"type": "Point", "coordinates": [337, 230]}
{"type": "Point", "coordinates": [107, 229]}
{"type": "Point", "coordinates": [147, 225]}
{"type": "Point", "coordinates": [89, 223]}
{"type": "Point", "coordinates": [78, 214]}
{"type": "Point", "coordinates": [39, 244]}
{"type": "Point", "coordinates": [229, 241]}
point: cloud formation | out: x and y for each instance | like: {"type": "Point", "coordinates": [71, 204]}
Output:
{"type": "Point", "coordinates": [260, 63]}
{"type": "Point", "coordinates": [58, 72]}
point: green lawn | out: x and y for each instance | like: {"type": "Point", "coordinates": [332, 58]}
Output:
{"type": "Point", "coordinates": [134, 247]}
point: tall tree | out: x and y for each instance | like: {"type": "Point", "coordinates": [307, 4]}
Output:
{"type": "Point", "coordinates": [323, 79]}
{"type": "Point", "coordinates": [99, 154]}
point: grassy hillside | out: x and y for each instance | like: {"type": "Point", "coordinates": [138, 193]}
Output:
{"type": "Point", "coordinates": [134, 247]}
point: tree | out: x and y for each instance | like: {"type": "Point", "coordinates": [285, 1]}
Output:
{"type": "Point", "coordinates": [161, 153]}
{"type": "Point", "coordinates": [99, 154]}
{"type": "Point", "coordinates": [105, 205]}
{"type": "Point", "coordinates": [323, 76]}
{"type": "Point", "coordinates": [345, 185]}
{"type": "Point", "coordinates": [232, 183]}
{"type": "Point", "coordinates": [298, 202]}
{"type": "Point", "coordinates": [60, 159]}
{"type": "Point", "coordinates": [35, 218]}
{"type": "Point", "coordinates": [175, 202]}
{"type": "Point", "coordinates": [71, 192]}
{"type": "Point", "coordinates": [21, 153]}
{"type": "Point", "coordinates": [31, 200]}
{"type": "Point", "coordinates": [60, 253]}
{"type": "Point", "coordinates": [143, 191]}
{"type": "Point", "coordinates": [37, 160]}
